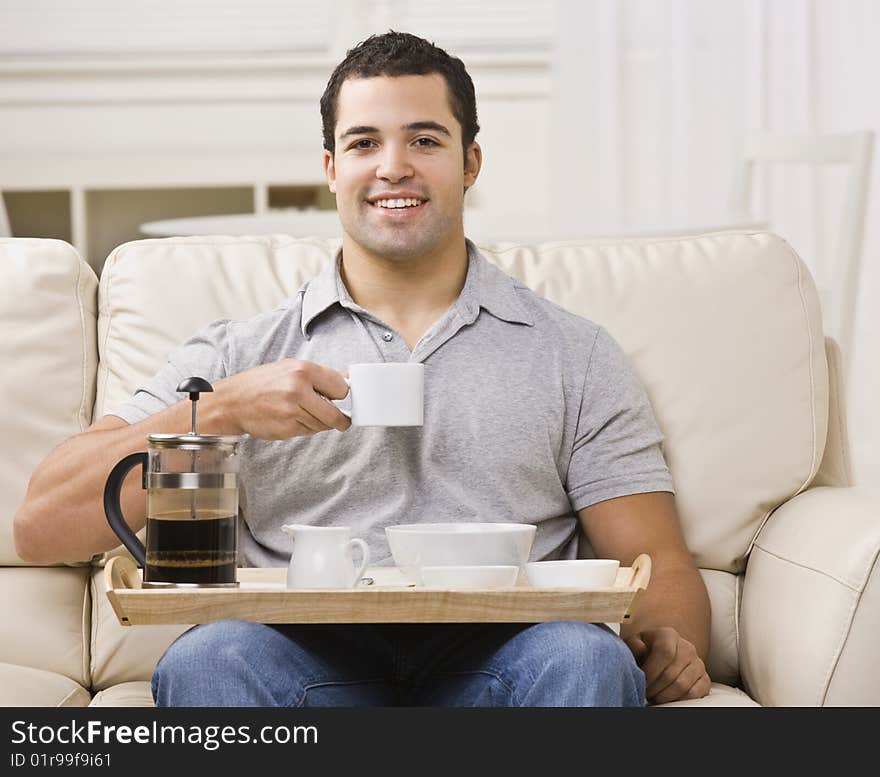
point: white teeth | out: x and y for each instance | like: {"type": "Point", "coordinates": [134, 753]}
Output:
{"type": "Point", "coordinates": [399, 203]}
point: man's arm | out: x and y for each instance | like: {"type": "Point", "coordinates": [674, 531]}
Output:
{"type": "Point", "coordinates": [669, 632]}
{"type": "Point", "coordinates": [62, 516]}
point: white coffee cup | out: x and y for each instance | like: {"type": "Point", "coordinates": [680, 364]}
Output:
{"type": "Point", "coordinates": [387, 394]}
{"type": "Point", "coordinates": [322, 557]}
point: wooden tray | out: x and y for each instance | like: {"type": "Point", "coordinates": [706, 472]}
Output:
{"type": "Point", "coordinates": [263, 598]}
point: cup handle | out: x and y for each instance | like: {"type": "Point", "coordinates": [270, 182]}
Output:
{"type": "Point", "coordinates": [346, 413]}
{"type": "Point", "coordinates": [365, 552]}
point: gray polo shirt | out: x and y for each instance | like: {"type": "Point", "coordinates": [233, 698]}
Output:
{"type": "Point", "coordinates": [531, 413]}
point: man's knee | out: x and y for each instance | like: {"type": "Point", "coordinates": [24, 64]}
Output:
{"type": "Point", "coordinates": [575, 664]}
{"type": "Point", "coordinates": [571, 645]}
{"type": "Point", "coordinates": [203, 646]}
{"type": "Point", "coordinates": [205, 653]}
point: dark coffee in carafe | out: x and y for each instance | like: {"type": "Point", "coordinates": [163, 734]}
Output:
{"type": "Point", "coordinates": [183, 550]}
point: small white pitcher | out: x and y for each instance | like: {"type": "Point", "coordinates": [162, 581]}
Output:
{"type": "Point", "coordinates": [322, 557]}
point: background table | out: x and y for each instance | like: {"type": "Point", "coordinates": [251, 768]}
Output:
{"type": "Point", "coordinates": [481, 226]}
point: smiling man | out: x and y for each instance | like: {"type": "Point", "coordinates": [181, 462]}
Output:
{"type": "Point", "coordinates": [532, 415]}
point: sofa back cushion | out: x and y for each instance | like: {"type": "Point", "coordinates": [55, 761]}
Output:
{"type": "Point", "coordinates": [723, 329]}
{"type": "Point", "coordinates": [156, 293]}
{"type": "Point", "coordinates": [48, 353]}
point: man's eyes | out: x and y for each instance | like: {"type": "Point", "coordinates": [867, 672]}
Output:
{"type": "Point", "coordinates": [365, 143]}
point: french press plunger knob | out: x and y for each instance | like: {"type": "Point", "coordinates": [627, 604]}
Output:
{"type": "Point", "coordinates": [194, 387]}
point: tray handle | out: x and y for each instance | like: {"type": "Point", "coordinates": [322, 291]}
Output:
{"type": "Point", "coordinates": [638, 582]}
{"type": "Point", "coordinates": [121, 572]}
{"type": "Point", "coordinates": [641, 572]}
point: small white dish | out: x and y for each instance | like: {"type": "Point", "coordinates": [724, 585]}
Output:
{"type": "Point", "coordinates": [573, 573]}
{"type": "Point", "coordinates": [469, 576]}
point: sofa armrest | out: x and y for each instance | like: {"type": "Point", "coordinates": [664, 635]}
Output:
{"type": "Point", "coordinates": [810, 615]}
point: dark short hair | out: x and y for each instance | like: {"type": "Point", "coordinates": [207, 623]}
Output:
{"type": "Point", "coordinates": [402, 54]}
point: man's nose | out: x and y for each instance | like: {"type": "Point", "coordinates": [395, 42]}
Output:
{"type": "Point", "coordinates": [393, 164]}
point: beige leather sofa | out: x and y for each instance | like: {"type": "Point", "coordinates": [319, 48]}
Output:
{"type": "Point", "coordinates": [724, 329]}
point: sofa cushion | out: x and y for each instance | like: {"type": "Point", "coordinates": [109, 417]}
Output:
{"type": "Point", "coordinates": [46, 612]}
{"type": "Point", "coordinates": [133, 694]}
{"type": "Point", "coordinates": [810, 615]}
{"type": "Point", "coordinates": [24, 686]}
{"type": "Point", "coordinates": [724, 331]}
{"type": "Point", "coordinates": [120, 653]}
{"type": "Point", "coordinates": [48, 298]}
{"type": "Point", "coordinates": [139, 694]}
{"type": "Point", "coordinates": [724, 596]}
{"type": "Point", "coordinates": [719, 696]}
{"type": "Point", "coordinates": [836, 468]}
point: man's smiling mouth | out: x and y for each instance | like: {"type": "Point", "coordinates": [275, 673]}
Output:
{"type": "Point", "coordinates": [392, 204]}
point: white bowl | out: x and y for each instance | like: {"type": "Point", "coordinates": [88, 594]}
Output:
{"type": "Point", "coordinates": [574, 573]}
{"type": "Point", "coordinates": [470, 576]}
{"type": "Point", "coordinates": [418, 545]}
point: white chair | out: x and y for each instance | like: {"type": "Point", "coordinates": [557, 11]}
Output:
{"type": "Point", "coordinates": [853, 149]}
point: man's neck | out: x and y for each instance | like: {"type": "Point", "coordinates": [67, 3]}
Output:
{"type": "Point", "coordinates": [408, 294]}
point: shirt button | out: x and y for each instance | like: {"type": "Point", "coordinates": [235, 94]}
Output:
{"type": "Point", "coordinates": [388, 337]}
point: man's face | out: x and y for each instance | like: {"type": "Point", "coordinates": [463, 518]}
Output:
{"type": "Point", "coordinates": [397, 140]}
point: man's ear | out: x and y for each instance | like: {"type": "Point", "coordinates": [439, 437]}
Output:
{"type": "Point", "coordinates": [473, 162]}
{"type": "Point", "coordinates": [330, 170]}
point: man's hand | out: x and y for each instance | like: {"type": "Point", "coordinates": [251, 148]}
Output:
{"type": "Point", "coordinates": [673, 670]}
{"type": "Point", "coordinates": [285, 399]}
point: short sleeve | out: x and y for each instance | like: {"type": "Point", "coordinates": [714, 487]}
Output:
{"type": "Point", "coordinates": [617, 444]}
{"type": "Point", "coordinates": [205, 355]}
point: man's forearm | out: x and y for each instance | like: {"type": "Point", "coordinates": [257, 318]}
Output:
{"type": "Point", "coordinates": [676, 597]}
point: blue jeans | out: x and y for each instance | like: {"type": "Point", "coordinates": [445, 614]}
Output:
{"type": "Point", "coordinates": [241, 664]}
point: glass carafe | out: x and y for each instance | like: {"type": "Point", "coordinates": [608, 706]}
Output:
{"type": "Point", "coordinates": [192, 506]}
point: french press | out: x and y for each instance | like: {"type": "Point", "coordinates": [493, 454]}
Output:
{"type": "Point", "coordinates": [192, 505]}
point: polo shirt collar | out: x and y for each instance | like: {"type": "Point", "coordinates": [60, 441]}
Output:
{"type": "Point", "coordinates": [324, 290]}
{"type": "Point", "coordinates": [485, 287]}
{"type": "Point", "coordinates": [489, 288]}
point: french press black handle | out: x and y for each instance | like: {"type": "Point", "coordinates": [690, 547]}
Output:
{"type": "Point", "coordinates": [112, 509]}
